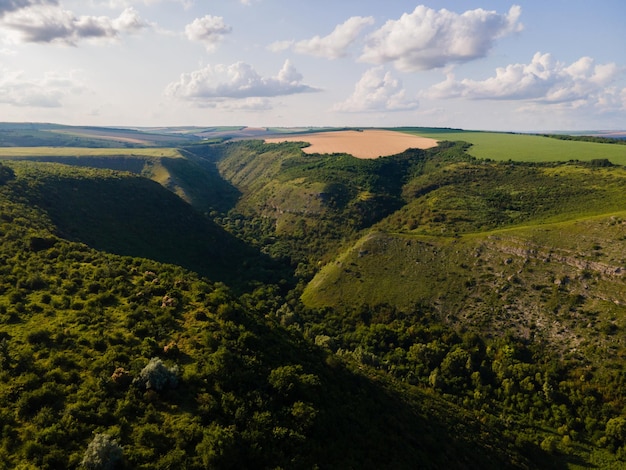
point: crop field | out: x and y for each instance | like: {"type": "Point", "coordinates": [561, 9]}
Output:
{"type": "Point", "coordinates": [34, 152]}
{"type": "Point", "coordinates": [372, 143]}
{"type": "Point", "coordinates": [524, 147]}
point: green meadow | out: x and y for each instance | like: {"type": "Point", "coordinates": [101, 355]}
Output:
{"type": "Point", "coordinates": [503, 146]}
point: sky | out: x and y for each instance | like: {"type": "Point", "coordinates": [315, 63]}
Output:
{"type": "Point", "coordinates": [534, 65]}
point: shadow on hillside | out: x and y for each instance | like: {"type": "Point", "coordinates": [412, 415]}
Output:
{"type": "Point", "coordinates": [137, 217]}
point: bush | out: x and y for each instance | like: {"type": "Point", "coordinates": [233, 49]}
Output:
{"type": "Point", "coordinates": [157, 376]}
{"type": "Point", "coordinates": [103, 453]}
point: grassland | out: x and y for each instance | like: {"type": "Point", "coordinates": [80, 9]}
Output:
{"type": "Point", "coordinates": [29, 152]}
{"type": "Point", "coordinates": [524, 147]}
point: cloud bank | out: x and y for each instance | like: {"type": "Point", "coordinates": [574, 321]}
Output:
{"type": "Point", "coordinates": [427, 39]}
{"type": "Point", "coordinates": [51, 24]}
{"type": "Point", "coordinates": [215, 83]}
{"type": "Point", "coordinates": [544, 80]}
{"type": "Point", "coordinates": [7, 6]}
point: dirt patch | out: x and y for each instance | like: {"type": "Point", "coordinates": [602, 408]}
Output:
{"type": "Point", "coordinates": [372, 143]}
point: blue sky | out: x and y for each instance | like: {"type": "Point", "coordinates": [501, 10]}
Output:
{"type": "Point", "coordinates": [533, 65]}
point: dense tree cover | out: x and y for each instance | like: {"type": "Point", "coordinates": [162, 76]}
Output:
{"type": "Point", "coordinates": [588, 138]}
{"type": "Point", "coordinates": [537, 396]}
{"type": "Point", "coordinates": [107, 358]}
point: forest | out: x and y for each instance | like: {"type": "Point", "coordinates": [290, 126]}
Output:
{"type": "Point", "coordinates": [246, 305]}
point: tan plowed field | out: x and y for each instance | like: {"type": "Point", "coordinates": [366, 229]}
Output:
{"type": "Point", "coordinates": [372, 143]}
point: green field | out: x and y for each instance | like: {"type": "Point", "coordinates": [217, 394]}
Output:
{"type": "Point", "coordinates": [525, 147]}
{"type": "Point", "coordinates": [30, 152]}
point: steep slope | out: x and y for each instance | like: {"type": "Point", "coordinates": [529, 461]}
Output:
{"type": "Point", "coordinates": [495, 247]}
{"type": "Point", "coordinates": [131, 215]}
{"type": "Point", "coordinates": [196, 180]}
{"type": "Point", "coordinates": [151, 367]}
{"type": "Point", "coordinates": [528, 258]}
{"type": "Point", "coordinates": [304, 207]}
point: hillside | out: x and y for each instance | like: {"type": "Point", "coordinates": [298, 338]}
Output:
{"type": "Point", "coordinates": [130, 215]}
{"type": "Point", "coordinates": [527, 256]}
{"type": "Point", "coordinates": [150, 366]}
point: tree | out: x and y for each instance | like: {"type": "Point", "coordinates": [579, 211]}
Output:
{"type": "Point", "coordinates": [615, 432]}
{"type": "Point", "coordinates": [103, 453]}
{"type": "Point", "coordinates": [6, 174]}
{"type": "Point", "coordinates": [157, 376]}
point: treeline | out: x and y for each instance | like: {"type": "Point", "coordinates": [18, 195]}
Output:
{"type": "Point", "coordinates": [588, 138]}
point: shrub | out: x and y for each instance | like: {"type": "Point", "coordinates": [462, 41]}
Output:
{"type": "Point", "coordinates": [103, 453]}
{"type": "Point", "coordinates": [157, 376]}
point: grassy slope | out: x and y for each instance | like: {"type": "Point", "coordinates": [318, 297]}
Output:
{"type": "Point", "coordinates": [527, 148]}
{"type": "Point", "coordinates": [193, 179]}
{"type": "Point", "coordinates": [430, 250]}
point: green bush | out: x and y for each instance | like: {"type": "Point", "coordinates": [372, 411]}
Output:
{"type": "Point", "coordinates": [157, 376]}
{"type": "Point", "coordinates": [103, 453]}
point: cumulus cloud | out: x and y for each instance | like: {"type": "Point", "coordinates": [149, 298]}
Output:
{"type": "Point", "coordinates": [209, 30]}
{"type": "Point", "coordinates": [48, 92]}
{"type": "Point", "coordinates": [377, 90]}
{"type": "Point", "coordinates": [125, 3]}
{"type": "Point", "coordinates": [427, 39]}
{"type": "Point", "coordinates": [7, 6]}
{"type": "Point", "coordinates": [336, 44]}
{"type": "Point", "coordinates": [220, 82]}
{"type": "Point", "coordinates": [544, 80]}
{"type": "Point", "coordinates": [247, 104]}
{"type": "Point", "coordinates": [49, 24]}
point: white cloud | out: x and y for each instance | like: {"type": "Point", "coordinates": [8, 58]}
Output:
{"type": "Point", "coordinates": [7, 6]}
{"type": "Point", "coordinates": [247, 104]}
{"type": "Point", "coordinates": [51, 24]}
{"type": "Point", "coordinates": [115, 4]}
{"type": "Point", "coordinates": [377, 90]}
{"type": "Point", "coordinates": [209, 30]}
{"type": "Point", "coordinates": [336, 44]}
{"type": "Point", "coordinates": [428, 39]}
{"type": "Point", "coordinates": [237, 81]}
{"type": "Point", "coordinates": [278, 46]}
{"type": "Point", "coordinates": [544, 81]}
{"type": "Point", "coordinates": [48, 92]}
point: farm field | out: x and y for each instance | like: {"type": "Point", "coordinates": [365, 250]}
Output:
{"type": "Point", "coordinates": [30, 152]}
{"type": "Point", "coordinates": [371, 143]}
{"type": "Point", "coordinates": [524, 147]}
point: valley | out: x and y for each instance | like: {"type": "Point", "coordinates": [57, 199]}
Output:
{"type": "Point", "coordinates": [211, 298]}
